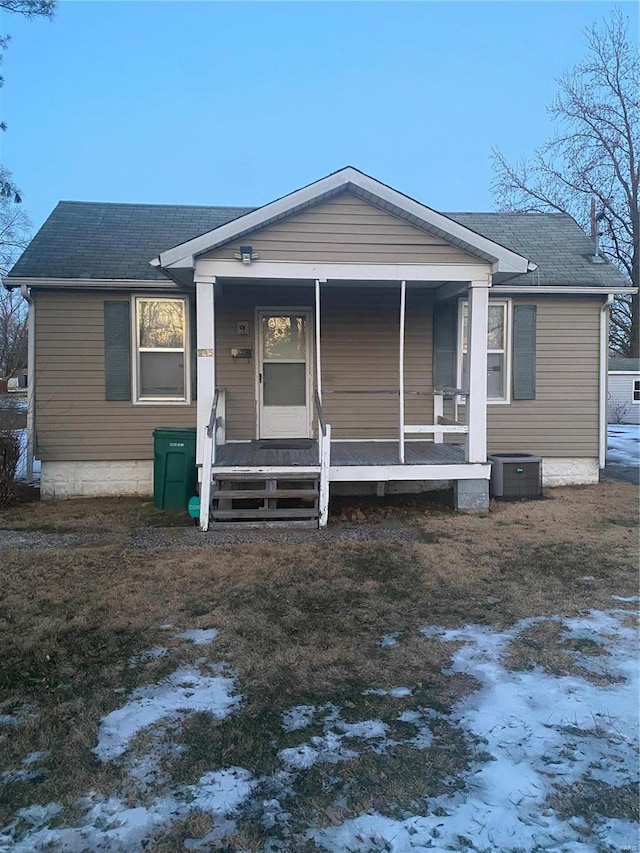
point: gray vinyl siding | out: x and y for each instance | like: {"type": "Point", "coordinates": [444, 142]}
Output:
{"type": "Point", "coordinates": [622, 409]}
{"type": "Point", "coordinates": [359, 352]}
{"type": "Point", "coordinates": [563, 419]}
{"type": "Point", "coordinates": [342, 230]}
{"type": "Point", "coordinates": [74, 422]}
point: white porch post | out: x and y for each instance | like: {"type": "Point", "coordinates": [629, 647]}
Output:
{"type": "Point", "coordinates": [477, 357]}
{"type": "Point", "coordinates": [403, 303]}
{"type": "Point", "coordinates": [318, 358]}
{"type": "Point", "coordinates": [205, 343]}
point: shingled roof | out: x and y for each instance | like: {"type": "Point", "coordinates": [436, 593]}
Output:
{"type": "Point", "coordinates": [617, 364]}
{"type": "Point", "coordinates": [93, 240]}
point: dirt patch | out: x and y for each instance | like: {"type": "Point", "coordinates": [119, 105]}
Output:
{"type": "Point", "coordinates": [589, 798]}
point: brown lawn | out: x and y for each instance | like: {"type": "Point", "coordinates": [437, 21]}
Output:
{"type": "Point", "coordinates": [299, 622]}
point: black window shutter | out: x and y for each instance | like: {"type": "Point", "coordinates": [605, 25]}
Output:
{"type": "Point", "coordinates": [117, 350]}
{"type": "Point", "coordinates": [445, 325]}
{"type": "Point", "coordinates": [193, 347]}
{"type": "Point", "coordinates": [524, 352]}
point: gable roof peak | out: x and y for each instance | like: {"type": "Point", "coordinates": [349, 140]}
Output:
{"type": "Point", "coordinates": [369, 189]}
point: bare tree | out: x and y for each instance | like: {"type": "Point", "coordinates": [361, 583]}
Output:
{"type": "Point", "coordinates": [29, 9]}
{"type": "Point", "coordinates": [594, 154]}
{"type": "Point", "coordinates": [14, 234]}
{"type": "Point", "coordinates": [15, 226]}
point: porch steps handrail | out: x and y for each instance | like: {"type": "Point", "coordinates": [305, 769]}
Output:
{"type": "Point", "coordinates": [208, 461]}
{"type": "Point", "coordinates": [320, 413]}
{"type": "Point", "coordinates": [324, 458]}
{"type": "Point", "coordinates": [213, 416]}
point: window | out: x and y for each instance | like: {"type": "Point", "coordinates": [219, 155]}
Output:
{"type": "Point", "coordinates": [636, 390]}
{"type": "Point", "coordinates": [161, 364]}
{"type": "Point", "coordinates": [497, 351]}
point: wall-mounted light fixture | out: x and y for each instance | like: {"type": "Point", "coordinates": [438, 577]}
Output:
{"type": "Point", "coordinates": [246, 254]}
{"type": "Point", "coordinates": [243, 353]}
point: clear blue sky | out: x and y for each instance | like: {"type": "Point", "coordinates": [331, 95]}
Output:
{"type": "Point", "coordinates": [239, 103]}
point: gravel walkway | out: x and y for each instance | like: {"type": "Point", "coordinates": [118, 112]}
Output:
{"type": "Point", "coordinates": [12, 540]}
{"type": "Point", "coordinates": [155, 537]}
{"type": "Point", "coordinates": [191, 537]}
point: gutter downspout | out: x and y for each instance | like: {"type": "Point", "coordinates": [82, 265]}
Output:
{"type": "Point", "coordinates": [31, 379]}
{"type": "Point", "coordinates": [604, 365]}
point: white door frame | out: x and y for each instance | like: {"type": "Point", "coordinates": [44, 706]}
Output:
{"type": "Point", "coordinates": [307, 311]}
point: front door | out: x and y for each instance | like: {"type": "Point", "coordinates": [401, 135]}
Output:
{"type": "Point", "coordinates": [283, 377]}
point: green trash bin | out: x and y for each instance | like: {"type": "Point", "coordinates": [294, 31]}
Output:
{"type": "Point", "coordinates": [174, 467]}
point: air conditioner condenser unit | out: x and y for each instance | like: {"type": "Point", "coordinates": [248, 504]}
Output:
{"type": "Point", "coordinates": [516, 476]}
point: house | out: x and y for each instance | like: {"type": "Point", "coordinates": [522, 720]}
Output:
{"type": "Point", "coordinates": [624, 390]}
{"type": "Point", "coordinates": [342, 336]}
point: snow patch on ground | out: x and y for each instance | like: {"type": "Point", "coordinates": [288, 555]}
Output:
{"type": "Point", "coordinates": [109, 825]}
{"type": "Point", "coordinates": [21, 469]}
{"type": "Point", "coordinates": [330, 748]}
{"type": "Point", "coordinates": [299, 717]}
{"type": "Point", "coordinates": [199, 636]}
{"type": "Point", "coordinates": [541, 731]}
{"type": "Point", "coordinates": [183, 691]}
{"type": "Point", "coordinates": [396, 692]}
{"type": "Point", "coordinates": [623, 444]}
{"type": "Point", "coordinates": [327, 748]}
{"type": "Point", "coordinates": [121, 822]}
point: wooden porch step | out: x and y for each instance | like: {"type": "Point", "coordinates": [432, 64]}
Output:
{"type": "Point", "coordinates": [233, 493]}
{"type": "Point", "coordinates": [263, 514]}
{"type": "Point", "coordinates": [261, 525]}
{"type": "Point", "coordinates": [249, 475]}
{"type": "Point", "coordinates": [262, 494]}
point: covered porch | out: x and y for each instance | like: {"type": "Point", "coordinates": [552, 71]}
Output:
{"type": "Point", "coordinates": [423, 432]}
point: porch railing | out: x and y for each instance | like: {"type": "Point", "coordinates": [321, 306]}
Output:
{"type": "Point", "coordinates": [442, 426]}
{"type": "Point", "coordinates": [324, 459]}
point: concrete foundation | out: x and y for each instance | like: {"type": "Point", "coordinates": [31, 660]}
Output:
{"type": "Point", "coordinates": [570, 471]}
{"type": "Point", "coordinates": [471, 495]}
{"type": "Point", "coordinates": [96, 479]}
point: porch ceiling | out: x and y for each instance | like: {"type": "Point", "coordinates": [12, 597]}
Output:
{"type": "Point", "coordinates": [337, 283]}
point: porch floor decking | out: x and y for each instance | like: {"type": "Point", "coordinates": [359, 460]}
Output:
{"type": "Point", "coordinates": [343, 453]}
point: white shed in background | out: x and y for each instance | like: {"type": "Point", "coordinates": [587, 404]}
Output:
{"type": "Point", "coordinates": [624, 390]}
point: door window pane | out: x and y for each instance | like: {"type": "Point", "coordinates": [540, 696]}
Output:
{"type": "Point", "coordinates": [283, 338]}
{"type": "Point", "coordinates": [284, 384]}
